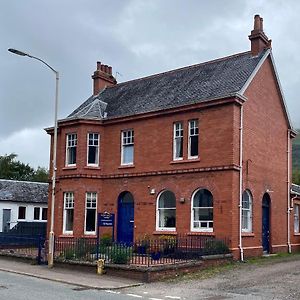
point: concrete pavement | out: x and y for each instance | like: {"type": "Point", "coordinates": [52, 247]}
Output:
{"type": "Point", "coordinates": [68, 276]}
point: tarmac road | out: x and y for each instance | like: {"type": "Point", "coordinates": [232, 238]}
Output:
{"type": "Point", "coordinates": [20, 287]}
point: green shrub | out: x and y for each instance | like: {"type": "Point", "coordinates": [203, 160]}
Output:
{"type": "Point", "coordinates": [69, 254]}
{"type": "Point", "coordinates": [120, 254]}
{"type": "Point", "coordinates": [106, 240]}
{"type": "Point", "coordinates": [215, 247]}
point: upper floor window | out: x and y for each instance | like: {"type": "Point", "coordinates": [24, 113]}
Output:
{"type": "Point", "coordinates": [296, 218]}
{"type": "Point", "coordinates": [90, 213]}
{"type": "Point", "coordinates": [193, 139]}
{"type": "Point", "coordinates": [166, 211]}
{"type": "Point", "coordinates": [71, 146]}
{"type": "Point", "coordinates": [127, 147]}
{"type": "Point", "coordinates": [202, 211]}
{"type": "Point", "coordinates": [178, 141]}
{"type": "Point", "coordinates": [93, 149]}
{"type": "Point", "coordinates": [68, 212]}
{"type": "Point", "coordinates": [247, 211]}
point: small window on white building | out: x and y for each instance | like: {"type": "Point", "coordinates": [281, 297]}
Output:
{"type": "Point", "coordinates": [93, 149]}
{"type": "Point", "coordinates": [296, 218]}
{"type": "Point", "coordinates": [36, 213]}
{"type": "Point", "coordinates": [90, 213]}
{"type": "Point", "coordinates": [247, 211]}
{"type": "Point", "coordinates": [68, 213]}
{"type": "Point", "coordinates": [193, 139]}
{"type": "Point", "coordinates": [127, 147]}
{"type": "Point", "coordinates": [71, 149]}
{"type": "Point", "coordinates": [22, 213]}
{"type": "Point", "coordinates": [202, 211]}
{"type": "Point", "coordinates": [178, 141]}
{"type": "Point", "coordinates": [44, 213]}
{"type": "Point", "coordinates": [166, 211]}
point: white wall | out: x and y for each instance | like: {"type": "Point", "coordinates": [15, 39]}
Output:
{"type": "Point", "coordinates": [14, 206]}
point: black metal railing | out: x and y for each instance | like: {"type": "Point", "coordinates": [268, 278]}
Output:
{"type": "Point", "coordinates": [145, 252]}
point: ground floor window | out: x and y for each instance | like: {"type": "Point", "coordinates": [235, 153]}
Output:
{"type": "Point", "coordinates": [36, 213]}
{"type": "Point", "coordinates": [44, 213]}
{"type": "Point", "coordinates": [296, 218]}
{"type": "Point", "coordinates": [68, 212]}
{"type": "Point", "coordinates": [166, 211]}
{"type": "Point", "coordinates": [22, 213]}
{"type": "Point", "coordinates": [90, 213]}
{"type": "Point", "coordinates": [202, 211]}
{"type": "Point", "coordinates": [247, 211]}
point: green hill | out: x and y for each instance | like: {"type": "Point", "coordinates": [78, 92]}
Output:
{"type": "Point", "coordinates": [296, 151]}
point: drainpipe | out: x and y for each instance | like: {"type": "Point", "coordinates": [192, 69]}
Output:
{"type": "Point", "coordinates": [241, 187]}
{"type": "Point", "coordinates": [288, 194]}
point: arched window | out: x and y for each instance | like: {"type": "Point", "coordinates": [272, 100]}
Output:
{"type": "Point", "coordinates": [247, 211]}
{"type": "Point", "coordinates": [166, 211]}
{"type": "Point", "coordinates": [202, 211]}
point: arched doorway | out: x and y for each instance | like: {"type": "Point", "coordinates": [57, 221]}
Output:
{"type": "Point", "coordinates": [125, 224]}
{"type": "Point", "coordinates": [266, 202]}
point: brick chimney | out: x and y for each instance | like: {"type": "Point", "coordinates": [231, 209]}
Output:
{"type": "Point", "coordinates": [103, 77]}
{"type": "Point", "coordinates": [259, 41]}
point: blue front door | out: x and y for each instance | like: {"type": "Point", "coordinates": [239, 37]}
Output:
{"type": "Point", "coordinates": [125, 218]}
{"type": "Point", "coordinates": [266, 223]}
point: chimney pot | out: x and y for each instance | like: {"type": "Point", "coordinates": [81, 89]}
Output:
{"type": "Point", "coordinates": [98, 65]}
{"type": "Point", "coordinates": [110, 70]}
{"type": "Point", "coordinates": [261, 24]}
{"type": "Point", "coordinates": [257, 22]}
{"type": "Point", "coordinates": [106, 68]}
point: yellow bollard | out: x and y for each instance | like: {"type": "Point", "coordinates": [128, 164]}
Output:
{"type": "Point", "coordinates": [100, 266]}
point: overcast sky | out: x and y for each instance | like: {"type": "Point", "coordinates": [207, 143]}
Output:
{"type": "Point", "coordinates": [137, 38]}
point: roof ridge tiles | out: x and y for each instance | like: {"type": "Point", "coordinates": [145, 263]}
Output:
{"type": "Point", "coordinates": [22, 181]}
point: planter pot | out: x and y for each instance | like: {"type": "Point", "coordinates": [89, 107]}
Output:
{"type": "Point", "coordinates": [155, 255]}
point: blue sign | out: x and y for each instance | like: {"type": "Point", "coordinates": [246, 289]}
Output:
{"type": "Point", "coordinates": [106, 219]}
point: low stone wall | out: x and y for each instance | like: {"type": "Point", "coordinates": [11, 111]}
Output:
{"type": "Point", "coordinates": [141, 273]}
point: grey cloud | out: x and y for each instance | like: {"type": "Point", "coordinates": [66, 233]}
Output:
{"type": "Point", "coordinates": [136, 37]}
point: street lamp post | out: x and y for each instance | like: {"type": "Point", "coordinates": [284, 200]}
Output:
{"type": "Point", "coordinates": [51, 234]}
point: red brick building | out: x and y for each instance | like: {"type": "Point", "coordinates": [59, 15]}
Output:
{"type": "Point", "coordinates": [201, 150]}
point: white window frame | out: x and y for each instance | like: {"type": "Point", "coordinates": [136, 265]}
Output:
{"type": "Point", "coordinates": [94, 208]}
{"type": "Point", "coordinates": [195, 128]}
{"type": "Point", "coordinates": [177, 133]}
{"type": "Point", "coordinates": [296, 218]}
{"type": "Point", "coordinates": [158, 228]}
{"type": "Point", "coordinates": [247, 211]}
{"type": "Point", "coordinates": [73, 144]}
{"type": "Point", "coordinates": [25, 212]}
{"type": "Point", "coordinates": [97, 149]}
{"type": "Point", "coordinates": [68, 196]}
{"type": "Point", "coordinates": [127, 140]}
{"type": "Point", "coordinates": [201, 229]}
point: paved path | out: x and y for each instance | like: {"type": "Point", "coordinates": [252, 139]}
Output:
{"type": "Point", "coordinates": [63, 275]}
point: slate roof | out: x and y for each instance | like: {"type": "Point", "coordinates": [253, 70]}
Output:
{"type": "Point", "coordinates": [23, 191]}
{"type": "Point", "coordinates": [295, 189]}
{"type": "Point", "coordinates": [197, 83]}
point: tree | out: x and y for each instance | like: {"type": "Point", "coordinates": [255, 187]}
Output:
{"type": "Point", "coordinates": [10, 168]}
{"type": "Point", "coordinates": [296, 176]}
